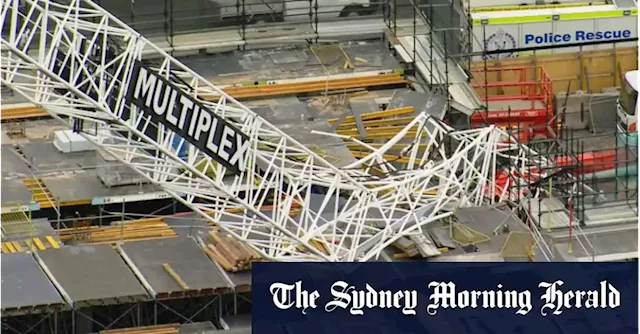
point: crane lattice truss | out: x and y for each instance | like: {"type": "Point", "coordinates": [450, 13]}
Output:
{"type": "Point", "coordinates": [84, 67]}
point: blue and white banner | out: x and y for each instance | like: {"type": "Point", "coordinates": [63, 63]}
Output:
{"type": "Point", "coordinates": [456, 298]}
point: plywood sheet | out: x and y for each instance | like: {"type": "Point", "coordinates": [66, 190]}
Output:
{"type": "Point", "coordinates": [184, 256]}
{"type": "Point", "coordinates": [93, 275]}
{"type": "Point", "coordinates": [24, 283]}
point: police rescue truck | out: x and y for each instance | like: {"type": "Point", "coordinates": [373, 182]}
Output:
{"type": "Point", "coordinates": [505, 30]}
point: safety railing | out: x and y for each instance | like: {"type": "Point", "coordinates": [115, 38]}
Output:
{"type": "Point", "coordinates": [531, 84]}
{"type": "Point", "coordinates": [449, 37]}
{"type": "Point", "coordinates": [518, 98]}
{"type": "Point", "coordinates": [170, 18]}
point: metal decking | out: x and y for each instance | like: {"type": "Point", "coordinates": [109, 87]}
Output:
{"type": "Point", "coordinates": [186, 259]}
{"type": "Point", "coordinates": [25, 286]}
{"type": "Point", "coordinates": [93, 275]}
{"type": "Point", "coordinates": [88, 275]}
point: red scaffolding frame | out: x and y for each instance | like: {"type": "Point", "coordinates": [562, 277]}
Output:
{"type": "Point", "coordinates": [527, 94]}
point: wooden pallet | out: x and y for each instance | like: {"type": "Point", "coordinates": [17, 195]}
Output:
{"type": "Point", "coordinates": [124, 231]}
{"type": "Point", "coordinates": [21, 112]}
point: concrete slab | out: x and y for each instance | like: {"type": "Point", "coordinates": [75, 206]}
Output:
{"type": "Point", "coordinates": [288, 57]}
{"type": "Point", "coordinates": [12, 164]}
{"type": "Point", "coordinates": [185, 257]}
{"type": "Point", "coordinates": [286, 62]}
{"type": "Point", "coordinates": [485, 220]}
{"type": "Point", "coordinates": [45, 157]}
{"type": "Point", "coordinates": [614, 246]}
{"type": "Point", "coordinates": [25, 286]}
{"type": "Point", "coordinates": [87, 186]}
{"type": "Point", "coordinates": [93, 275]}
{"type": "Point", "coordinates": [14, 193]}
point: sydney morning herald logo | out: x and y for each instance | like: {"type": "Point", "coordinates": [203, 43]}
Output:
{"type": "Point", "coordinates": [444, 295]}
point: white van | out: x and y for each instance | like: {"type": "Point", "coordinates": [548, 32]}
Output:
{"type": "Point", "coordinates": [628, 103]}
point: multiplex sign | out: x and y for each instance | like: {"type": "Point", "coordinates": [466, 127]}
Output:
{"type": "Point", "coordinates": [188, 118]}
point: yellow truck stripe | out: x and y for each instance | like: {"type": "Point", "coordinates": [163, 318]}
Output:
{"type": "Point", "coordinates": [559, 17]}
{"type": "Point", "coordinates": [530, 7]}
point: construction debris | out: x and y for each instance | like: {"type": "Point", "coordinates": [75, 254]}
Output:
{"type": "Point", "coordinates": [416, 245]}
{"type": "Point", "coordinates": [229, 253]}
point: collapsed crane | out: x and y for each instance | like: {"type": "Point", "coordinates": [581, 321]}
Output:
{"type": "Point", "coordinates": [84, 67]}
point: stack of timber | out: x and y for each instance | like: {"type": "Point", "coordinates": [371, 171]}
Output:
{"type": "Point", "coordinates": [123, 231]}
{"type": "Point", "coordinates": [157, 329]}
{"type": "Point", "coordinates": [381, 125]}
{"type": "Point", "coordinates": [231, 254]}
{"type": "Point", "coordinates": [315, 86]}
{"type": "Point", "coordinates": [21, 111]}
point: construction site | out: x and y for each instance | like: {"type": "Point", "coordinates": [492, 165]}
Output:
{"type": "Point", "coordinates": [152, 151]}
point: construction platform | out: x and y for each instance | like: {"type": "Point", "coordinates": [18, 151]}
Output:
{"type": "Point", "coordinates": [26, 286]}
{"type": "Point", "coordinates": [63, 179]}
{"type": "Point", "coordinates": [192, 273]}
{"type": "Point", "coordinates": [81, 276]}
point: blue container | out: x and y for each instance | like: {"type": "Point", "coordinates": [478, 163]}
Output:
{"type": "Point", "coordinates": [177, 140]}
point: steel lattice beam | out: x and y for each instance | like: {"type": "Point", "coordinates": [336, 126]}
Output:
{"type": "Point", "coordinates": [77, 60]}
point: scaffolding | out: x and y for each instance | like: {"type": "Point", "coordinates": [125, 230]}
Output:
{"type": "Point", "coordinates": [168, 20]}
{"type": "Point", "coordinates": [567, 178]}
{"type": "Point", "coordinates": [438, 49]}
{"type": "Point", "coordinates": [592, 182]}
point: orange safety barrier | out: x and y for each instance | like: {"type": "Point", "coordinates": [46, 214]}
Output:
{"type": "Point", "coordinates": [591, 162]}
{"type": "Point", "coordinates": [528, 93]}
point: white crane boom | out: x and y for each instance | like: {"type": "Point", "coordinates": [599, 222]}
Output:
{"type": "Point", "coordinates": [84, 67]}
